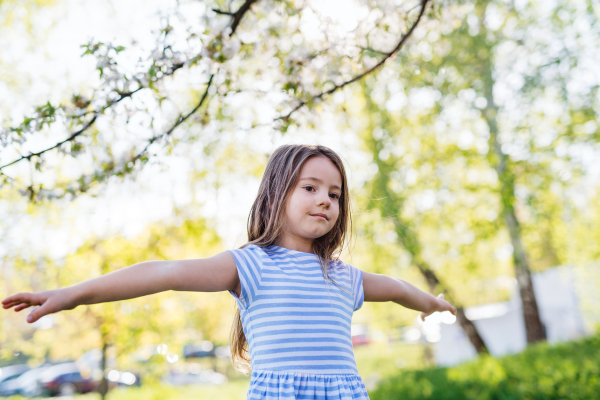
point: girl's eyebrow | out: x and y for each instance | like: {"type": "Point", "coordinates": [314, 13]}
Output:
{"type": "Point", "coordinates": [312, 178]}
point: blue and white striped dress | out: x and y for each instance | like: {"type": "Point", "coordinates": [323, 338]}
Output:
{"type": "Point", "coordinates": [297, 325]}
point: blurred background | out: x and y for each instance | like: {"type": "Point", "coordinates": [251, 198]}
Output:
{"type": "Point", "coordinates": [136, 131]}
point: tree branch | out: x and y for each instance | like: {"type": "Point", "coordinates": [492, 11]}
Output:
{"type": "Point", "coordinates": [180, 120]}
{"type": "Point", "coordinates": [239, 14]}
{"type": "Point", "coordinates": [70, 138]}
{"type": "Point", "coordinates": [387, 57]}
{"type": "Point", "coordinates": [111, 103]}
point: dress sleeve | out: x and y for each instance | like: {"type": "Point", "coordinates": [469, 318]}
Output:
{"type": "Point", "coordinates": [249, 266]}
{"type": "Point", "coordinates": [357, 286]}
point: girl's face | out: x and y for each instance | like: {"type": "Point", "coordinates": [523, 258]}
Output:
{"type": "Point", "coordinates": [313, 206]}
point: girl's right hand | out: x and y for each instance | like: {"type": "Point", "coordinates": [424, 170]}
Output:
{"type": "Point", "coordinates": [441, 305]}
{"type": "Point", "coordinates": [50, 301]}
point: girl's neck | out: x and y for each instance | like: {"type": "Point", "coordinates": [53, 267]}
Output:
{"type": "Point", "coordinates": [295, 243]}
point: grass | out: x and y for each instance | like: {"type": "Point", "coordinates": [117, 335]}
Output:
{"type": "Point", "coordinates": [541, 372]}
{"type": "Point", "coordinates": [234, 390]}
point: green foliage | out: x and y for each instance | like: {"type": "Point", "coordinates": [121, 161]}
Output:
{"type": "Point", "coordinates": [44, 115]}
{"type": "Point", "coordinates": [565, 371]}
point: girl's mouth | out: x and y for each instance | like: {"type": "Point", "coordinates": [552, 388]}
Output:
{"type": "Point", "coordinates": [320, 216]}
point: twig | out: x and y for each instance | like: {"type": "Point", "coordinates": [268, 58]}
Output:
{"type": "Point", "coordinates": [3, 174]}
{"type": "Point", "coordinates": [108, 105]}
{"type": "Point", "coordinates": [70, 138]}
{"type": "Point", "coordinates": [223, 12]}
{"type": "Point", "coordinates": [180, 120]}
{"type": "Point", "coordinates": [383, 53]}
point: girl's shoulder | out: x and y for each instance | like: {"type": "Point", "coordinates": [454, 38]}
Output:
{"type": "Point", "coordinates": [248, 247]}
{"type": "Point", "coordinates": [251, 247]}
{"type": "Point", "coordinates": [340, 264]}
{"type": "Point", "coordinates": [263, 253]}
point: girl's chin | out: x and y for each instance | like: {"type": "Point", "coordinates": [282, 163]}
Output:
{"type": "Point", "coordinates": [316, 233]}
{"type": "Point", "coordinates": [311, 231]}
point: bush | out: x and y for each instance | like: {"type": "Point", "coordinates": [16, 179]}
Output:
{"type": "Point", "coordinates": [541, 372]}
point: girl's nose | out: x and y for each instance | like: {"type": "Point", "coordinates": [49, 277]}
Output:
{"type": "Point", "coordinates": [325, 201]}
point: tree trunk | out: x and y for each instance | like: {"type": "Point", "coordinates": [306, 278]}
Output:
{"type": "Point", "coordinates": [533, 324]}
{"type": "Point", "coordinates": [466, 324]}
{"type": "Point", "coordinates": [103, 388]}
{"type": "Point", "coordinates": [471, 330]}
{"type": "Point", "coordinates": [105, 326]}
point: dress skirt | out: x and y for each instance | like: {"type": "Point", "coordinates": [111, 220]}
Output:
{"type": "Point", "coordinates": [279, 385]}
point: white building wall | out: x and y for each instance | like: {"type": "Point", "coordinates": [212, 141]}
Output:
{"type": "Point", "coordinates": [501, 324]}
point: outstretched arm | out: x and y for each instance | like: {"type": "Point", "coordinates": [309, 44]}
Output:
{"type": "Point", "coordinates": [213, 274]}
{"type": "Point", "coordinates": [379, 287]}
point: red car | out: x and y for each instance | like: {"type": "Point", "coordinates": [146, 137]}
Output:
{"type": "Point", "coordinates": [65, 379]}
{"type": "Point", "coordinates": [360, 335]}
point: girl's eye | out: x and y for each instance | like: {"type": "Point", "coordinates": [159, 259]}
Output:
{"type": "Point", "coordinates": [309, 188]}
{"type": "Point", "coordinates": [334, 196]}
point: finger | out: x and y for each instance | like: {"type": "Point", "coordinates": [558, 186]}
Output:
{"type": "Point", "coordinates": [425, 315]}
{"type": "Point", "coordinates": [7, 305]}
{"type": "Point", "coordinates": [38, 313]}
{"type": "Point", "coordinates": [450, 308]}
{"type": "Point", "coordinates": [7, 299]}
{"type": "Point", "coordinates": [33, 316]}
{"type": "Point", "coordinates": [22, 306]}
{"type": "Point", "coordinates": [8, 302]}
{"type": "Point", "coordinates": [12, 304]}
{"type": "Point", "coordinates": [422, 315]}
{"type": "Point", "coordinates": [19, 297]}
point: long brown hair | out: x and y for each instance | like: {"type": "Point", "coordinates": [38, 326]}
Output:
{"type": "Point", "coordinates": [267, 217]}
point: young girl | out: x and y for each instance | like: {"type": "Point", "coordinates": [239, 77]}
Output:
{"type": "Point", "coordinates": [295, 297]}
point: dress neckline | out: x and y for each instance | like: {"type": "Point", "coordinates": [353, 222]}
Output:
{"type": "Point", "coordinates": [290, 251]}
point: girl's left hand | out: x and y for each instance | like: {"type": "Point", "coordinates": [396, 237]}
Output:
{"type": "Point", "coordinates": [442, 305]}
{"type": "Point", "coordinates": [50, 301]}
